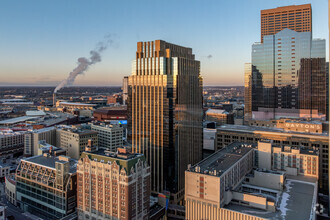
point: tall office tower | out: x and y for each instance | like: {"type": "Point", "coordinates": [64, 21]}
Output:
{"type": "Point", "coordinates": [113, 185]}
{"type": "Point", "coordinates": [125, 89]}
{"type": "Point", "coordinates": [247, 91]}
{"type": "Point", "coordinates": [288, 72]}
{"type": "Point", "coordinates": [295, 17]}
{"type": "Point", "coordinates": [165, 112]}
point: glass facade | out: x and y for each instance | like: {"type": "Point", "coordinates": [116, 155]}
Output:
{"type": "Point", "coordinates": [165, 112]}
{"type": "Point", "coordinates": [288, 76]}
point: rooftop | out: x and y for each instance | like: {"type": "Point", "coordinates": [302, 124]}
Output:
{"type": "Point", "coordinates": [296, 202]}
{"type": "Point", "coordinates": [217, 163]}
{"type": "Point", "coordinates": [17, 120]}
{"type": "Point", "coordinates": [216, 111]}
{"type": "Point", "coordinates": [263, 130]}
{"type": "Point", "coordinates": [125, 160]}
{"type": "Point", "coordinates": [49, 161]}
{"type": "Point", "coordinates": [77, 103]}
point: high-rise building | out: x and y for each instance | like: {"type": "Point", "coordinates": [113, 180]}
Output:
{"type": "Point", "coordinates": [165, 112]}
{"type": "Point", "coordinates": [287, 74]}
{"type": "Point", "coordinates": [294, 17]}
{"type": "Point", "coordinates": [46, 185]}
{"type": "Point", "coordinates": [113, 185]}
{"type": "Point", "coordinates": [288, 77]}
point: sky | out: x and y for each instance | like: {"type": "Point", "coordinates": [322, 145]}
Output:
{"type": "Point", "coordinates": [42, 40]}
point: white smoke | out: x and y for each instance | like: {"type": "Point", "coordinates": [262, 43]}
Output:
{"type": "Point", "coordinates": [84, 63]}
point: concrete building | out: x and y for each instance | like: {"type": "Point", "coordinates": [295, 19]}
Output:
{"type": "Point", "coordinates": [10, 189]}
{"type": "Point", "coordinates": [110, 136]}
{"type": "Point", "coordinates": [46, 148]}
{"type": "Point", "coordinates": [228, 134]}
{"type": "Point", "coordinates": [32, 138]}
{"type": "Point", "coordinates": [72, 106]}
{"type": "Point", "coordinates": [293, 160]}
{"type": "Point", "coordinates": [298, 125]}
{"type": "Point", "coordinates": [11, 143]}
{"type": "Point", "coordinates": [294, 17]}
{"type": "Point", "coordinates": [113, 185]}
{"type": "Point", "coordinates": [166, 112]}
{"type": "Point", "coordinates": [46, 186]}
{"type": "Point", "coordinates": [225, 186]}
{"type": "Point", "coordinates": [75, 139]}
{"type": "Point", "coordinates": [220, 116]}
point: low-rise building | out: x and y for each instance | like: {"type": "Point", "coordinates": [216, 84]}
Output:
{"type": "Point", "coordinates": [11, 143]}
{"type": "Point", "coordinates": [229, 185]}
{"type": "Point", "coordinates": [10, 189]}
{"type": "Point", "coordinates": [46, 185]}
{"type": "Point", "coordinates": [219, 116]}
{"type": "Point", "coordinates": [110, 136]}
{"type": "Point", "coordinates": [113, 185]}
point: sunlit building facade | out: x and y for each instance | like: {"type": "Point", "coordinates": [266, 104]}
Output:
{"type": "Point", "coordinates": [288, 76]}
{"type": "Point", "coordinates": [294, 17]}
{"type": "Point", "coordinates": [165, 112]}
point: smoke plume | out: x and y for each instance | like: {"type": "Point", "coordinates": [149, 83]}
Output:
{"type": "Point", "coordinates": [84, 63]}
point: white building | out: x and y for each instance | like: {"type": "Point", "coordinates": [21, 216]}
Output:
{"type": "Point", "coordinates": [110, 136]}
{"type": "Point", "coordinates": [74, 140]}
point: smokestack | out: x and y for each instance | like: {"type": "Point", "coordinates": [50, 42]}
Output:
{"type": "Point", "coordinates": [54, 99]}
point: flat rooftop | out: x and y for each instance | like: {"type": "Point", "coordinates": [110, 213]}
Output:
{"type": "Point", "coordinates": [263, 130]}
{"type": "Point", "coordinates": [50, 161]}
{"type": "Point", "coordinates": [223, 159]}
{"type": "Point", "coordinates": [17, 120]}
{"type": "Point", "coordinates": [296, 202]}
{"type": "Point", "coordinates": [77, 104]}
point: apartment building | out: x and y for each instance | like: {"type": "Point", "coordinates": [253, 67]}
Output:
{"type": "Point", "coordinates": [113, 185]}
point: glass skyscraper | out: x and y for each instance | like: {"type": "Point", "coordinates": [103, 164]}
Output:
{"type": "Point", "coordinates": [287, 77]}
{"type": "Point", "coordinates": [166, 112]}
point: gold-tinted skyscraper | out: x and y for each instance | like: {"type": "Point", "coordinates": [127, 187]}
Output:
{"type": "Point", "coordinates": [294, 17]}
{"type": "Point", "coordinates": [165, 112]}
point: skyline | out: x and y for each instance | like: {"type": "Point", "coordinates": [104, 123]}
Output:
{"type": "Point", "coordinates": [39, 43]}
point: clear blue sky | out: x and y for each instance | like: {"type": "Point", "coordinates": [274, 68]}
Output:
{"type": "Point", "coordinates": [41, 40]}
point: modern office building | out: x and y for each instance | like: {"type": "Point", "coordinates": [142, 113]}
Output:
{"type": "Point", "coordinates": [294, 17]}
{"type": "Point", "coordinates": [125, 89]}
{"type": "Point", "coordinates": [165, 110]}
{"type": "Point", "coordinates": [75, 139]}
{"type": "Point", "coordinates": [46, 186]}
{"type": "Point", "coordinates": [32, 138]}
{"type": "Point", "coordinates": [110, 136]}
{"type": "Point", "coordinates": [234, 183]}
{"type": "Point", "coordinates": [288, 77]}
{"type": "Point", "coordinates": [228, 134]}
{"type": "Point", "coordinates": [113, 185]}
